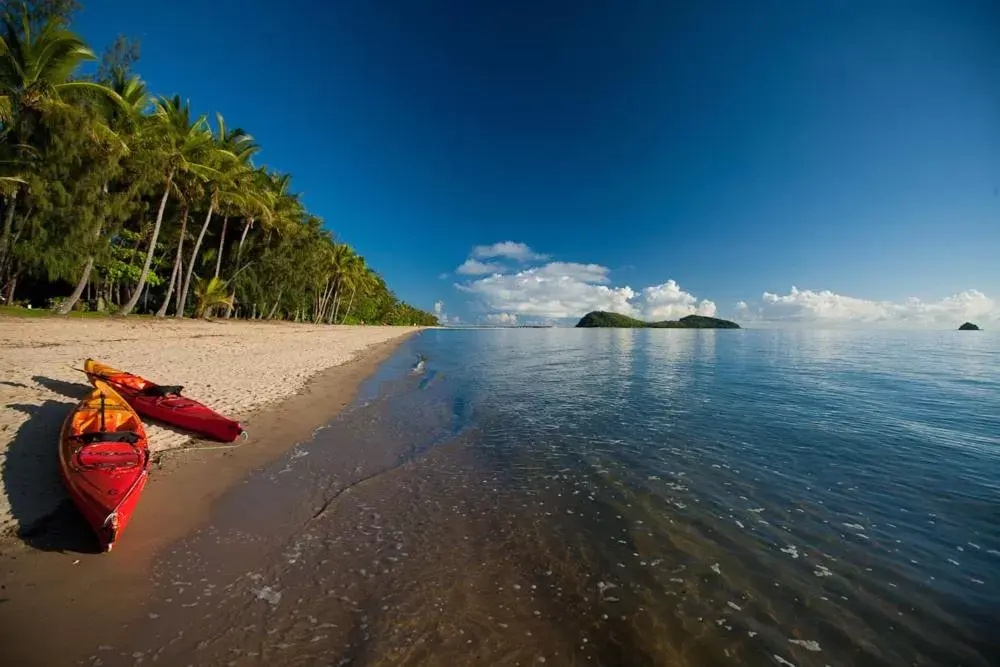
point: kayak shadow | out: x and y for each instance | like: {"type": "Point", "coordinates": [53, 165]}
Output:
{"type": "Point", "coordinates": [74, 390]}
{"type": "Point", "coordinates": [45, 517]}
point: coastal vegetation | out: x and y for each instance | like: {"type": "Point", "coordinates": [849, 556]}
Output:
{"type": "Point", "coordinates": [600, 318]}
{"type": "Point", "coordinates": [116, 200]}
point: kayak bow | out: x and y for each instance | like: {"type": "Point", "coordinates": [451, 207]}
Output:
{"type": "Point", "coordinates": [165, 403]}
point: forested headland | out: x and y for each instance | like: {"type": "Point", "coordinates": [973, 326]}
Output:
{"type": "Point", "coordinates": [118, 200]}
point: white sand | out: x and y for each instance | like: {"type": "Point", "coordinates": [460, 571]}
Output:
{"type": "Point", "coordinates": [234, 367]}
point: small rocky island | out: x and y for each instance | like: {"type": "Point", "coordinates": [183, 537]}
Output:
{"type": "Point", "coordinates": [969, 326]}
{"type": "Point", "coordinates": [600, 318]}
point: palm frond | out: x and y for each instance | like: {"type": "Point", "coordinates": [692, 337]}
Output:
{"type": "Point", "coordinates": [209, 294]}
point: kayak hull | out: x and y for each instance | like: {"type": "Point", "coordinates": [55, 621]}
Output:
{"type": "Point", "coordinates": [104, 461]}
{"type": "Point", "coordinates": [156, 402]}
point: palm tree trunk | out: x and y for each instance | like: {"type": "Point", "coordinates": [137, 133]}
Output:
{"type": "Point", "coordinates": [194, 257]}
{"type": "Point", "coordinates": [11, 286]}
{"type": "Point", "coordinates": [336, 300]}
{"type": "Point", "coordinates": [8, 224]}
{"type": "Point", "coordinates": [243, 237]}
{"type": "Point", "coordinates": [68, 304]}
{"type": "Point", "coordinates": [162, 311]}
{"type": "Point", "coordinates": [320, 313]}
{"type": "Point", "coordinates": [176, 272]}
{"type": "Point", "coordinates": [274, 309]}
{"type": "Point", "coordinates": [130, 306]}
{"type": "Point", "coordinates": [349, 304]}
{"type": "Point", "coordinates": [239, 252]}
{"type": "Point", "coordinates": [222, 246]}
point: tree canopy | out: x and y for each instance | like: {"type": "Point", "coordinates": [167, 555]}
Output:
{"type": "Point", "coordinates": [116, 200]}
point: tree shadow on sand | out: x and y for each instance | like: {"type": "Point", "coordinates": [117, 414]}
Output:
{"type": "Point", "coordinates": [46, 517]}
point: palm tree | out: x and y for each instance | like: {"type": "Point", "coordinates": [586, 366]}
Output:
{"type": "Point", "coordinates": [210, 294]}
{"type": "Point", "coordinates": [347, 263]}
{"type": "Point", "coordinates": [273, 204]}
{"type": "Point", "coordinates": [175, 273]}
{"type": "Point", "coordinates": [234, 148]}
{"type": "Point", "coordinates": [359, 277]}
{"type": "Point", "coordinates": [35, 73]}
{"type": "Point", "coordinates": [132, 92]}
{"type": "Point", "coordinates": [187, 148]}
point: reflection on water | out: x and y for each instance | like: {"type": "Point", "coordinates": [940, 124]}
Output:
{"type": "Point", "coordinates": [650, 497]}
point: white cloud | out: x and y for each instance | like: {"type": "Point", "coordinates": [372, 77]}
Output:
{"type": "Point", "coordinates": [473, 267]}
{"type": "Point", "coordinates": [669, 302]}
{"type": "Point", "coordinates": [443, 317]}
{"type": "Point", "coordinates": [518, 251]}
{"type": "Point", "coordinates": [536, 293]}
{"type": "Point", "coordinates": [586, 273]}
{"type": "Point", "coordinates": [503, 319]}
{"type": "Point", "coordinates": [563, 290]}
{"type": "Point", "coordinates": [828, 308]}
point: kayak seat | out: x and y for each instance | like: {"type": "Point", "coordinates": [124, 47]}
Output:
{"type": "Point", "coordinates": [157, 390]}
{"type": "Point", "coordinates": [109, 454]}
{"type": "Point", "coordinates": [108, 436]}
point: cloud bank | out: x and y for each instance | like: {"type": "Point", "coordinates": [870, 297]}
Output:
{"type": "Point", "coordinates": [512, 283]}
{"type": "Point", "coordinates": [564, 290]}
{"type": "Point", "coordinates": [502, 319]}
{"type": "Point", "coordinates": [827, 308]}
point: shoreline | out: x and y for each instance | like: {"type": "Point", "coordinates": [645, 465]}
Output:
{"type": "Point", "coordinates": [51, 574]}
{"type": "Point", "coordinates": [237, 368]}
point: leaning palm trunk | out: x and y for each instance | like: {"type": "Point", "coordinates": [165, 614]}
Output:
{"type": "Point", "coordinates": [176, 272]}
{"type": "Point", "coordinates": [194, 257]}
{"type": "Point", "coordinates": [134, 299]}
{"type": "Point", "coordinates": [328, 314]}
{"type": "Point", "coordinates": [243, 238]}
{"type": "Point", "coordinates": [274, 308]}
{"type": "Point", "coordinates": [321, 308]}
{"type": "Point", "coordinates": [162, 311]}
{"type": "Point", "coordinates": [222, 246]}
{"type": "Point", "coordinates": [68, 304]}
{"type": "Point", "coordinates": [239, 252]}
{"type": "Point", "coordinates": [336, 300]}
{"type": "Point", "coordinates": [349, 304]}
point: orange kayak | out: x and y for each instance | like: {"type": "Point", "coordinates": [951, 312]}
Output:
{"type": "Point", "coordinates": [165, 403]}
{"type": "Point", "coordinates": [104, 459]}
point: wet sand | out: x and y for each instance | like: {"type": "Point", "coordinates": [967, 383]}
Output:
{"type": "Point", "coordinates": [52, 579]}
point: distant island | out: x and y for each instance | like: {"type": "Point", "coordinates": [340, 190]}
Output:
{"type": "Point", "coordinates": [600, 318]}
{"type": "Point", "coordinates": [969, 326]}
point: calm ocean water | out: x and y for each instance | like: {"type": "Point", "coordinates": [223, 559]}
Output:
{"type": "Point", "coordinates": [632, 497]}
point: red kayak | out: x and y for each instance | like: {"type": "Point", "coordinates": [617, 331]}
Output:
{"type": "Point", "coordinates": [165, 403]}
{"type": "Point", "coordinates": [104, 459]}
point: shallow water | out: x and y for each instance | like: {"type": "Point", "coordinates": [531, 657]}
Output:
{"type": "Point", "coordinates": [615, 497]}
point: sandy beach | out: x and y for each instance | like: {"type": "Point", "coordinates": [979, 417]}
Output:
{"type": "Point", "coordinates": [238, 368]}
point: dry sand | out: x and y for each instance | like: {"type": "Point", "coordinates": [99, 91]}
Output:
{"type": "Point", "coordinates": [238, 368]}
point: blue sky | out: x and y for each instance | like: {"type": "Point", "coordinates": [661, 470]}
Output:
{"type": "Point", "coordinates": [850, 149]}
